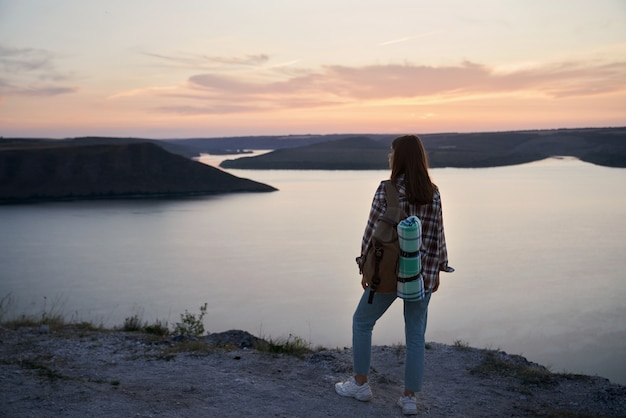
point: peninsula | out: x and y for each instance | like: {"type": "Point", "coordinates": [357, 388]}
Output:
{"type": "Point", "coordinates": [40, 170]}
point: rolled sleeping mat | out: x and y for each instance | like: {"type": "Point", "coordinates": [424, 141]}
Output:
{"type": "Point", "coordinates": [410, 240]}
{"type": "Point", "coordinates": [410, 281]}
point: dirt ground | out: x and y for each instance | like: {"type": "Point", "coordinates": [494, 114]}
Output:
{"type": "Point", "coordinates": [77, 373]}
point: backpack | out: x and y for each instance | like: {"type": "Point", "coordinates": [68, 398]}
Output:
{"type": "Point", "coordinates": [379, 264]}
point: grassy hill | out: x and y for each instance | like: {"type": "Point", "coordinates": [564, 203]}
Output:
{"type": "Point", "coordinates": [45, 170]}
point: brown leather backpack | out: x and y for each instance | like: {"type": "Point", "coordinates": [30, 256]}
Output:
{"type": "Point", "coordinates": [379, 264]}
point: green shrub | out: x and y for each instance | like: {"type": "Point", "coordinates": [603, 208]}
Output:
{"type": "Point", "coordinates": [461, 345]}
{"type": "Point", "coordinates": [191, 325]}
{"type": "Point", "coordinates": [157, 328]}
{"type": "Point", "coordinates": [132, 323]}
{"type": "Point", "coordinates": [292, 345]}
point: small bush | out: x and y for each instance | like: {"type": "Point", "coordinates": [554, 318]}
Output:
{"type": "Point", "coordinates": [157, 328]}
{"type": "Point", "coordinates": [461, 345]}
{"type": "Point", "coordinates": [191, 325]}
{"type": "Point", "coordinates": [132, 323]}
{"type": "Point", "coordinates": [293, 345]}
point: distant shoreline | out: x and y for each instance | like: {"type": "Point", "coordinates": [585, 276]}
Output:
{"type": "Point", "coordinates": [601, 146]}
{"type": "Point", "coordinates": [91, 168]}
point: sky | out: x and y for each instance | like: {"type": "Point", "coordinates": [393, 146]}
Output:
{"type": "Point", "coordinates": [212, 68]}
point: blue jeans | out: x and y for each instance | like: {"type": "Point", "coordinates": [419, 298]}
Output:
{"type": "Point", "coordinates": [415, 316]}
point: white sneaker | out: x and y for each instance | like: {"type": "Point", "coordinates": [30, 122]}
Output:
{"type": "Point", "coordinates": [351, 389]}
{"type": "Point", "coordinates": [408, 405]}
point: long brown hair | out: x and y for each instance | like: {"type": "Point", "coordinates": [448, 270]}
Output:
{"type": "Point", "coordinates": [410, 159]}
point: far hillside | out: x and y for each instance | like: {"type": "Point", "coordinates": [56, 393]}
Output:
{"type": "Point", "coordinates": [357, 153]}
{"type": "Point", "coordinates": [602, 146]}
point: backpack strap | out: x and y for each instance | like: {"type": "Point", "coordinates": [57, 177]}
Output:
{"type": "Point", "coordinates": [391, 194]}
{"type": "Point", "coordinates": [393, 204]}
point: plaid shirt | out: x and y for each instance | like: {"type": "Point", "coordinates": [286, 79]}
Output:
{"type": "Point", "coordinates": [434, 251]}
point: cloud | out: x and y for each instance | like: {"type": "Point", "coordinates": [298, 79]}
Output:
{"type": "Point", "coordinates": [571, 79]}
{"type": "Point", "coordinates": [409, 81]}
{"type": "Point", "coordinates": [208, 109]}
{"type": "Point", "coordinates": [141, 91]}
{"type": "Point", "coordinates": [41, 91]}
{"type": "Point", "coordinates": [209, 61]}
{"type": "Point", "coordinates": [30, 72]}
{"type": "Point", "coordinates": [337, 85]}
{"type": "Point", "coordinates": [284, 64]}
{"type": "Point", "coordinates": [408, 38]}
{"type": "Point", "coordinates": [13, 60]}
{"type": "Point", "coordinates": [8, 88]}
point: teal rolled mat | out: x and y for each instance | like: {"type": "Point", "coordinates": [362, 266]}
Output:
{"type": "Point", "coordinates": [410, 280]}
{"type": "Point", "coordinates": [410, 239]}
{"type": "Point", "coordinates": [413, 290]}
{"type": "Point", "coordinates": [409, 234]}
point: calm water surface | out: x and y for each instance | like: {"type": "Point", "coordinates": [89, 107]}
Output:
{"type": "Point", "coordinates": [539, 252]}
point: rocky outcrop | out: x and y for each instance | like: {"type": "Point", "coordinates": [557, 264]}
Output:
{"type": "Point", "coordinates": [51, 171]}
{"type": "Point", "coordinates": [77, 372]}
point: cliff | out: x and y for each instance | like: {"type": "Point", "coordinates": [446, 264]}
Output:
{"type": "Point", "coordinates": [51, 170]}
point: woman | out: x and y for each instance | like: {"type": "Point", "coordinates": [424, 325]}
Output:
{"type": "Point", "coordinates": [420, 197]}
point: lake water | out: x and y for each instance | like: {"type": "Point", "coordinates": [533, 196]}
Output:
{"type": "Point", "coordinates": [539, 251]}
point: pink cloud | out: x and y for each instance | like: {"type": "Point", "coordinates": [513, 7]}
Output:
{"type": "Point", "coordinates": [340, 85]}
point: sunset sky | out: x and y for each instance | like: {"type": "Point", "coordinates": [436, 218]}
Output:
{"type": "Point", "coordinates": [209, 68]}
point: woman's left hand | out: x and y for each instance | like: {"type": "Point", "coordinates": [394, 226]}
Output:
{"type": "Point", "coordinates": [363, 283]}
{"type": "Point", "coordinates": [436, 287]}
